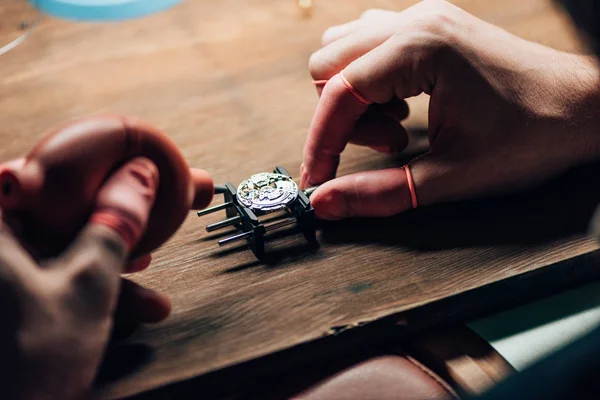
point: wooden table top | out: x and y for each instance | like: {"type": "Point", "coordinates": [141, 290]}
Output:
{"type": "Point", "coordinates": [228, 81]}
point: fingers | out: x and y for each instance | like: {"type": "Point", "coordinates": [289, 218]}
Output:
{"type": "Point", "coordinates": [379, 127]}
{"type": "Point", "coordinates": [123, 206]}
{"type": "Point", "coordinates": [331, 59]}
{"type": "Point", "coordinates": [364, 194]}
{"type": "Point", "coordinates": [387, 192]}
{"type": "Point", "coordinates": [204, 188]}
{"type": "Point", "coordinates": [339, 31]}
{"type": "Point", "coordinates": [367, 65]}
{"type": "Point", "coordinates": [369, 19]}
{"type": "Point", "coordinates": [125, 201]}
{"type": "Point", "coordinates": [334, 120]}
{"type": "Point", "coordinates": [95, 259]}
{"type": "Point", "coordinates": [378, 77]}
{"type": "Point", "coordinates": [138, 304]}
{"type": "Point", "coordinates": [345, 43]}
{"type": "Point", "coordinates": [381, 75]}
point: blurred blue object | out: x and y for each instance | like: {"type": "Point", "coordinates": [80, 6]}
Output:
{"type": "Point", "coordinates": [102, 10]}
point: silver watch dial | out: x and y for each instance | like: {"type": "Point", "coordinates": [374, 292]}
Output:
{"type": "Point", "coordinates": [266, 192]}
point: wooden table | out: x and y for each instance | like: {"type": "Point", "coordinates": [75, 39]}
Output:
{"type": "Point", "coordinates": [228, 81]}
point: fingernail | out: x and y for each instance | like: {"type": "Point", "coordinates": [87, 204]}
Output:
{"type": "Point", "coordinates": [304, 178]}
{"type": "Point", "coordinates": [329, 205]}
{"type": "Point", "coordinates": [145, 175]}
{"type": "Point", "coordinates": [126, 199]}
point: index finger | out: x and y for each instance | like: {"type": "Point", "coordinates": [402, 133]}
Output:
{"type": "Point", "coordinates": [121, 213]}
{"type": "Point", "coordinates": [93, 262]}
{"type": "Point", "coordinates": [339, 108]}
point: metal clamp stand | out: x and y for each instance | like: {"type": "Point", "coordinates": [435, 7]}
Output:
{"type": "Point", "coordinates": [299, 212]}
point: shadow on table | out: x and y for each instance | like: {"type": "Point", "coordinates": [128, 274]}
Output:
{"type": "Point", "coordinates": [282, 247]}
{"type": "Point", "coordinates": [559, 208]}
{"type": "Point", "coordinates": [122, 360]}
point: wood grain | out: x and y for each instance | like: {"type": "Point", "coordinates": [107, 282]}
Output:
{"type": "Point", "coordinates": [228, 81]}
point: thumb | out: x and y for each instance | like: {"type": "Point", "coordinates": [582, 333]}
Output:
{"type": "Point", "coordinates": [381, 193]}
{"type": "Point", "coordinates": [125, 201]}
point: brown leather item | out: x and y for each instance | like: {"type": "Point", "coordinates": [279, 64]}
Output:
{"type": "Point", "coordinates": [448, 364]}
{"type": "Point", "coordinates": [51, 193]}
{"type": "Point", "coordinates": [390, 377]}
{"type": "Point", "coordinates": [460, 356]}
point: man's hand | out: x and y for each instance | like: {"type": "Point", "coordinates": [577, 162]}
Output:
{"type": "Point", "coordinates": [57, 315]}
{"type": "Point", "coordinates": [504, 113]}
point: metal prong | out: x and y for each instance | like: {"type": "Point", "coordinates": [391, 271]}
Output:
{"type": "Point", "coordinates": [220, 189]}
{"type": "Point", "coordinates": [214, 209]}
{"type": "Point", "coordinates": [235, 238]}
{"type": "Point", "coordinates": [222, 224]}
{"type": "Point", "coordinates": [310, 191]}
{"type": "Point", "coordinates": [280, 224]}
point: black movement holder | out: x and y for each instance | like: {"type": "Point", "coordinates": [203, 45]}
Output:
{"type": "Point", "coordinates": [253, 230]}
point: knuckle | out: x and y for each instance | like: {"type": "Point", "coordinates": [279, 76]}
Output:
{"type": "Point", "coordinates": [436, 22]}
{"type": "Point", "coordinates": [433, 31]}
{"type": "Point", "coordinates": [371, 13]}
{"type": "Point", "coordinates": [417, 64]}
{"type": "Point", "coordinates": [436, 16]}
{"type": "Point", "coordinates": [327, 36]}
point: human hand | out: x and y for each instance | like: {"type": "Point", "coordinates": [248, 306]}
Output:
{"type": "Point", "coordinates": [504, 113]}
{"type": "Point", "coordinates": [58, 314]}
